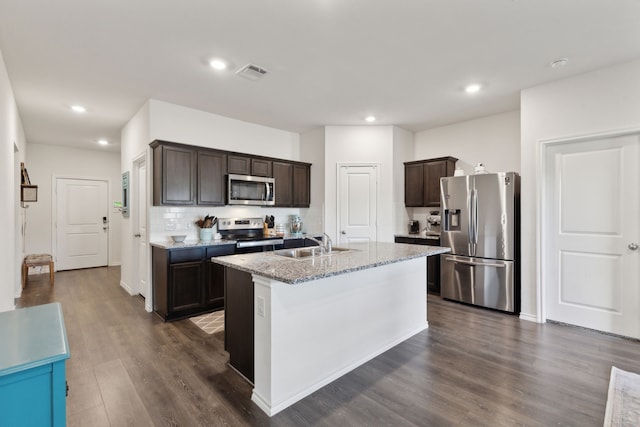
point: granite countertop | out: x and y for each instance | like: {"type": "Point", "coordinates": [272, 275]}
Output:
{"type": "Point", "coordinates": [170, 244]}
{"type": "Point", "coordinates": [421, 235]}
{"type": "Point", "coordinates": [294, 271]}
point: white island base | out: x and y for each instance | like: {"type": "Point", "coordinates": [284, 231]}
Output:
{"type": "Point", "coordinates": [309, 334]}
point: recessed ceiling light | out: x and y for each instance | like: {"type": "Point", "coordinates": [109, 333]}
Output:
{"type": "Point", "coordinates": [472, 88]}
{"type": "Point", "coordinates": [78, 109]}
{"type": "Point", "coordinates": [559, 63]}
{"type": "Point", "coordinates": [370, 119]}
{"type": "Point", "coordinates": [218, 64]}
{"type": "Point", "coordinates": [103, 142]}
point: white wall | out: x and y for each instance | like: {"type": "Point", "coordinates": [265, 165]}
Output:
{"type": "Point", "coordinates": [492, 140]}
{"type": "Point", "coordinates": [604, 100]}
{"type": "Point", "coordinates": [360, 144]}
{"type": "Point", "coordinates": [45, 162]}
{"type": "Point", "coordinates": [134, 142]}
{"type": "Point", "coordinates": [170, 122]}
{"type": "Point", "coordinates": [312, 150]}
{"type": "Point", "coordinates": [403, 149]}
{"type": "Point", "coordinates": [12, 152]}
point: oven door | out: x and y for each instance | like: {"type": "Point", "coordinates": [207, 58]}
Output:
{"type": "Point", "coordinates": [251, 246]}
{"type": "Point", "coordinates": [250, 190]}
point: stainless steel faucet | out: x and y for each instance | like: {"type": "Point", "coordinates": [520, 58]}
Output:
{"type": "Point", "coordinates": [325, 244]}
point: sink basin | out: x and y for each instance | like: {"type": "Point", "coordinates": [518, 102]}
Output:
{"type": "Point", "coordinates": [310, 252]}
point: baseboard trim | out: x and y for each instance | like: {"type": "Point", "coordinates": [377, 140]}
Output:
{"type": "Point", "coordinates": [529, 317]}
{"type": "Point", "coordinates": [126, 287]}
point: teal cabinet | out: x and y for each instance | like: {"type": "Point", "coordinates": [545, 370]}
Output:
{"type": "Point", "coordinates": [33, 385]}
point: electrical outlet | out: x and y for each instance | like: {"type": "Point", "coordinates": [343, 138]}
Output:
{"type": "Point", "coordinates": [261, 306]}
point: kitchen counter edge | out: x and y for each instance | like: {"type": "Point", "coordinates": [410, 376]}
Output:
{"type": "Point", "coordinates": [293, 272]}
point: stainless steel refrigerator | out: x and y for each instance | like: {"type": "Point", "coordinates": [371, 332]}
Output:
{"type": "Point", "coordinates": [481, 225]}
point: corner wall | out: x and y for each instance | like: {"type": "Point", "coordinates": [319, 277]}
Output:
{"type": "Point", "coordinates": [360, 144]}
{"type": "Point", "coordinates": [12, 151]}
{"type": "Point", "coordinates": [604, 100]}
{"type": "Point", "coordinates": [48, 161]}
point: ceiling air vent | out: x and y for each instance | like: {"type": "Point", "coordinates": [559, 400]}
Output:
{"type": "Point", "coordinates": [252, 72]}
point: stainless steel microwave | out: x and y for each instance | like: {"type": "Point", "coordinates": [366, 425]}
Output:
{"type": "Point", "coordinates": [250, 190]}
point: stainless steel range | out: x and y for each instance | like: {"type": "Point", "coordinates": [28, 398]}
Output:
{"type": "Point", "coordinates": [249, 234]}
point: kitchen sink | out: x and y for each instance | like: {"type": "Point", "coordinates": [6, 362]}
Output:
{"type": "Point", "coordinates": [310, 252]}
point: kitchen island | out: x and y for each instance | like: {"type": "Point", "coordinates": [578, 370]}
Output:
{"type": "Point", "coordinates": [317, 318]}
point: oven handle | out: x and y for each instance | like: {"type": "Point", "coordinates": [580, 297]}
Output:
{"type": "Point", "coordinates": [254, 243]}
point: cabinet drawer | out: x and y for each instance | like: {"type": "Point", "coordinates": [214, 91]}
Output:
{"type": "Point", "coordinates": [220, 250]}
{"type": "Point", "coordinates": [186, 255]}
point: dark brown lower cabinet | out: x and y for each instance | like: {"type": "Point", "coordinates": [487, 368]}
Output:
{"type": "Point", "coordinates": [433, 262]}
{"type": "Point", "coordinates": [238, 321]}
{"type": "Point", "coordinates": [185, 281]}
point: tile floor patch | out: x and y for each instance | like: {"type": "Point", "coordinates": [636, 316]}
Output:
{"type": "Point", "coordinates": [210, 322]}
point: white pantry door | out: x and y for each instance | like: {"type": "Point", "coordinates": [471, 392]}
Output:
{"type": "Point", "coordinates": [82, 207]}
{"type": "Point", "coordinates": [591, 264]}
{"type": "Point", "coordinates": [358, 205]}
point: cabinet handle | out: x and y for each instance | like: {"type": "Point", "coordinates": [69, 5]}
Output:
{"type": "Point", "coordinates": [137, 235]}
{"type": "Point", "coordinates": [343, 232]}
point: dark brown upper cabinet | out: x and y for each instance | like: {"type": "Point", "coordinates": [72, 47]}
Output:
{"type": "Point", "coordinates": [301, 185]}
{"type": "Point", "coordinates": [283, 175]}
{"type": "Point", "coordinates": [261, 167]}
{"type": "Point", "coordinates": [212, 169]}
{"type": "Point", "coordinates": [240, 165]}
{"type": "Point", "coordinates": [189, 175]}
{"type": "Point", "coordinates": [174, 174]}
{"type": "Point", "coordinates": [422, 180]}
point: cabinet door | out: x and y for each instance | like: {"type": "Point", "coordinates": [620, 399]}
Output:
{"type": "Point", "coordinates": [240, 165]}
{"type": "Point", "coordinates": [414, 185]}
{"type": "Point", "coordinates": [261, 167]}
{"type": "Point", "coordinates": [212, 168]}
{"type": "Point", "coordinates": [214, 297]}
{"type": "Point", "coordinates": [433, 171]}
{"type": "Point", "coordinates": [178, 176]}
{"type": "Point", "coordinates": [301, 186]}
{"type": "Point", "coordinates": [185, 286]}
{"type": "Point", "coordinates": [283, 175]}
{"type": "Point", "coordinates": [214, 282]}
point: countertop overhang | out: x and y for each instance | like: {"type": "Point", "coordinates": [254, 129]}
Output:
{"type": "Point", "coordinates": [361, 256]}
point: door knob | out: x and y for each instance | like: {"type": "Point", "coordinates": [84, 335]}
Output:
{"type": "Point", "coordinates": [343, 232]}
{"type": "Point", "coordinates": [633, 246]}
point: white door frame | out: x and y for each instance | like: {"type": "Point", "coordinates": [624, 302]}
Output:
{"type": "Point", "coordinates": [376, 166]}
{"type": "Point", "coordinates": [54, 213]}
{"type": "Point", "coordinates": [543, 205]}
{"type": "Point", "coordinates": [133, 202]}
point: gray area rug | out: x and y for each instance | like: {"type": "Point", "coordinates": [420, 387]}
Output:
{"type": "Point", "coordinates": [211, 322]}
{"type": "Point", "coordinates": [623, 400]}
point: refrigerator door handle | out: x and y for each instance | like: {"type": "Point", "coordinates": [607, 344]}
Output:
{"type": "Point", "coordinates": [479, 264]}
{"type": "Point", "coordinates": [474, 216]}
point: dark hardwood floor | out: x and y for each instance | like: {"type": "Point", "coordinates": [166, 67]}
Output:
{"type": "Point", "coordinates": [471, 367]}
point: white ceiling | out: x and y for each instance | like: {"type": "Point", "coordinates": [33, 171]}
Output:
{"type": "Point", "coordinates": [332, 62]}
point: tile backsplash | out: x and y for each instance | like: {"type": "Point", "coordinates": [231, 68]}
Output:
{"type": "Point", "coordinates": [166, 221]}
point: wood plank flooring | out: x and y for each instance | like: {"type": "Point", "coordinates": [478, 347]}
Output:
{"type": "Point", "coordinates": [472, 367]}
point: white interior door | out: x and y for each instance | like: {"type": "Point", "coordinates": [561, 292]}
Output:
{"type": "Point", "coordinates": [358, 193]}
{"type": "Point", "coordinates": [591, 261]}
{"type": "Point", "coordinates": [141, 221]}
{"type": "Point", "coordinates": [82, 219]}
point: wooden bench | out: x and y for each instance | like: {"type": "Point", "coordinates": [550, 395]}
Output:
{"type": "Point", "coordinates": [34, 261]}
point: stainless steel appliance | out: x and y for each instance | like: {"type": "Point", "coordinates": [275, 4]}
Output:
{"type": "Point", "coordinates": [249, 234]}
{"type": "Point", "coordinates": [250, 190]}
{"type": "Point", "coordinates": [481, 225]}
